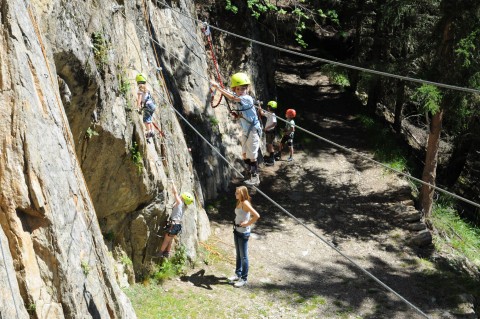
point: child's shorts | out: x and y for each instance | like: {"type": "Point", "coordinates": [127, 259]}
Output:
{"type": "Point", "coordinates": [148, 111]}
{"type": "Point", "coordinates": [250, 145]}
{"type": "Point", "coordinates": [270, 136]}
{"type": "Point", "coordinates": [287, 139]}
{"type": "Point", "coordinates": [174, 229]}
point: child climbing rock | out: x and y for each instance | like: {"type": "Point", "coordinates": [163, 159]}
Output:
{"type": "Point", "coordinates": [145, 102]}
{"type": "Point", "coordinates": [247, 114]}
{"type": "Point", "coordinates": [174, 224]}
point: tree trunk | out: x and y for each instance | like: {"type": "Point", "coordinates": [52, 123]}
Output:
{"type": "Point", "coordinates": [431, 159]}
{"type": "Point", "coordinates": [400, 99]}
{"type": "Point", "coordinates": [374, 95]}
{"type": "Point", "coordinates": [354, 75]}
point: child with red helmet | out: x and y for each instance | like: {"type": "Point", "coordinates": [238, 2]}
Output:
{"type": "Point", "coordinates": [287, 132]}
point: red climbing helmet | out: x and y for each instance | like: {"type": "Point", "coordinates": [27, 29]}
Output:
{"type": "Point", "coordinates": [291, 113]}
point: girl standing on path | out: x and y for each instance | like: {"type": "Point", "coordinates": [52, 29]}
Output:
{"type": "Point", "coordinates": [245, 216]}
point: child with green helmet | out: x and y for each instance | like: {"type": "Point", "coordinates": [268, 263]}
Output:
{"type": "Point", "coordinates": [145, 102]}
{"type": "Point", "coordinates": [246, 112]}
{"type": "Point", "coordinates": [269, 130]}
{"type": "Point", "coordinates": [174, 224]}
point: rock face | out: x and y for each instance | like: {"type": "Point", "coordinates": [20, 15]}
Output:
{"type": "Point", "coordinates": [76, 172]}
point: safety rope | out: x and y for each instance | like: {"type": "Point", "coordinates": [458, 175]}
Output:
{"type": "Point", "coordinates": [369, 274]}
{"type": "Point", "coordinates": [352, 151]}
{"type": "Point", "coordinates": [291, 215]}
{"type": "Point", "coordinates": [207, 33]}
{"type": "Point", "coordinates": [345, 65]}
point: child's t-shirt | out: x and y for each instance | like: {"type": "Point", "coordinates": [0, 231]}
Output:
{"type": "Point", "coordinates": [147, 99]}
{"type": "Point", "coordinates": [249, 114]}
{"type": "Point", "coordinates": [290, 124]}
{"type": "Point", "coordinates": [177, 212]}
{"type": "Point", "coordinates": [271, 118]}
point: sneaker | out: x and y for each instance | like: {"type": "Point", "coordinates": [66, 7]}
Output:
{"type": "Point", "coordinates": [233, 278]}
{"type": "Point", "coordinates": [290, 159]}
{"type": "Point", "coordinates": [158, 255]}
{"type": "Point", "coordinates": [270, 163]}
{"type": "Point", "coordinates": [254, 180]}
{"type": "Point", "coordinates": [240, 283]}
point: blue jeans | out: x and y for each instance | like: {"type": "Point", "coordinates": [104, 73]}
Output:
{"type": "Point", "coordinates": [241, 248]}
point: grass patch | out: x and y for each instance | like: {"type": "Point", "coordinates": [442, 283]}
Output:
{"type": "Point", "coordinates": [384, 143]}
{"type": "Point", "coordinates": [171, 267]}
{"type": "Point", "coordinates": [456, 236]}
{"type": "Point", "coordinates": [136, 157]}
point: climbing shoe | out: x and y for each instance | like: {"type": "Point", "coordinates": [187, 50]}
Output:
{"type": "Point", "coordinates": [290, 159]}
{"type": "Point", "coordinates": [254, 180]}
{"type": "Point", "coordinates": [270, 161]}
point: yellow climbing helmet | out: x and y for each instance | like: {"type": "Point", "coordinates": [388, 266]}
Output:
{"type": "Point", "coordinates": [239, 79]}
{"type": "Point", "coordinates": [187, 198]}
{"type": "Point", "coordinates": [140, 79]}
{"type": "Point", "coordinates": [272, 104]}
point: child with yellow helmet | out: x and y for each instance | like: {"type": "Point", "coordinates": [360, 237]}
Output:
{"type": "Point", "coordinates": [251, 129]}
{"type": "Point", "coordinates": [269, 130]}
{"type": "Point", "coordinates": [174, 224]}
{"type": "Point", "coordinates": [145, 102]}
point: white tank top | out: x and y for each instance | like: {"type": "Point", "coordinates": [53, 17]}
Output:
{"type": "Point", "coordinates": [240, 217]}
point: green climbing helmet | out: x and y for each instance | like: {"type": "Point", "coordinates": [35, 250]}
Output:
{"type": "Point", "coordinates": [187, 198]}
{"type": "Point", "coordinates": [239, 79]}
{"type": "Point", "coordinates": [272, 104]}
{"type": "Point", "coordinates": [140, 79]}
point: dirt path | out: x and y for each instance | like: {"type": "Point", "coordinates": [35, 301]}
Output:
{"type": "Point", "coordinates": [347, 201]}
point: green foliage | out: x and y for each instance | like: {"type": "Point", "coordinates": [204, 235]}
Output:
{"type": "Point", "coordinates": [429, 97]}
{"type": "Point", "coordinates": [384, 142]}
{"type": "Point", "coordinates": [32, 308]}
{"type": "Point", "coordinates": [231, 7]}
{"type": "Point", "coordinates": [332, 15]}
{"type": "Point", "coordinates": [454, 234]}
{"type": "Point", "coordinates": [125, 260]}
{"type": "Point", "coordinates": [91, 132]}
{"type": "Point", "coordinates": [301, 13]}
{"type": "Point", "coordinates": [124, 84]}
{"type": "Point", "coordinates": [172, 267]}
{"type": "Point", "coordinates": [85, 267]}
{"type": "Point", "coordinates": [474, 81]}
{"type": "Point", "coordinates": [467, 49]}
{"type": "Point", "coordinates": [100, 49]}
{"type": "Point", "coordinates": [136, 156]}
{"type": "Point", "coordinates": [213, 121]}
{"type": "Point", "coordinates": [337, 75]}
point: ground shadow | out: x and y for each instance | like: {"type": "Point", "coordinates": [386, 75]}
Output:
{"type": "Point", "coordinates": [199, 279]}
